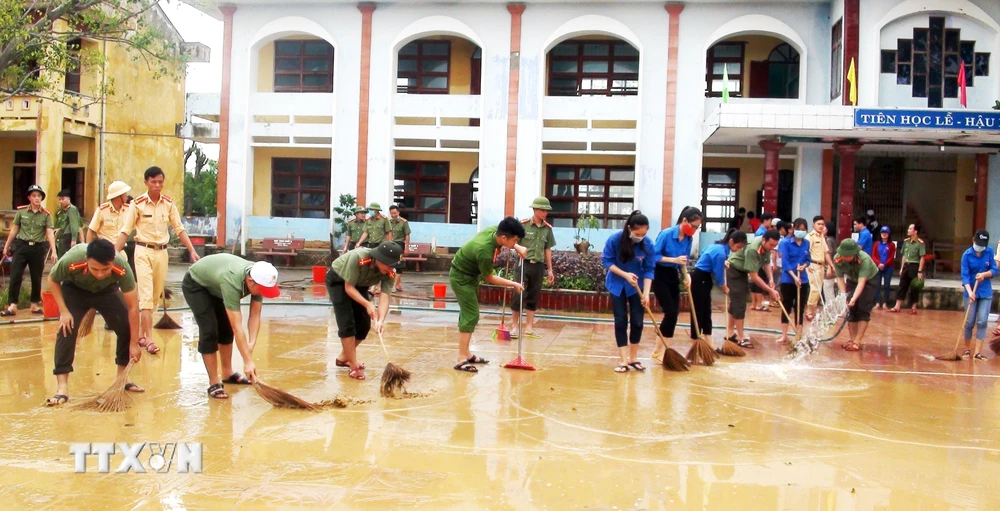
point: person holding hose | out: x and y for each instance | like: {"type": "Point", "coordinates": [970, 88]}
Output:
{"type": "Point", "coordinates": [854, 268]}
{"type": "Point", "coordinates": [673, 246]}
{"type": "Point", "coordinates": [978, 265]}
{"type": "Point", "coordinates": [712, 263]}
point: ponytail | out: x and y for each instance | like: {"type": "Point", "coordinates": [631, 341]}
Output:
{"type": "Point", "coordinates": [689, 213]}
{"type": "Point", "coordinates": [729, 234]}
{"type": "Point", "coordinates": [625, 250]}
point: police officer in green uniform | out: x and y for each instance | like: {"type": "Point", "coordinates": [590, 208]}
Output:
{"type": "Point", "coordinates": [347, 282]}
{"type": "Point", "coordinates": [912, 251]}
{"type": "Point", "coordinates": [399, 228]}
{"type": "Point", "coordinates": [30, 239]}
{"type": "Point", "coordinates": [67, 224]}
{"type": "Point", "coordinates": [858, 268]}
{"type": "Point", "coordinates": [94, 276]}
{"type": "Point", "coordinates": [376, 228]}
{"type": "Point", "coordinates": [355, 228]}
{"type": "Point", "coordinates": [743, 267]}
{"type": "Point", "coordinates": [539, 240]}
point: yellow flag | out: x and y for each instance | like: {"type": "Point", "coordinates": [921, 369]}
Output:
{"type": "Point", "coordinates": [853, 79]}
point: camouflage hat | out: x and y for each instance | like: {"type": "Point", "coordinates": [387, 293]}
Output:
{"type": "Point", "coordinates": [375, 207]}
{"type": "Point", "coordinates": [541, 203]}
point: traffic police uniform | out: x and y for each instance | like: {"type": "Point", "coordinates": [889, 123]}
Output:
{"type": "Point", "coordinates": [358, 267]}
{"type": "Point", "coordinates": [68, 225]}
{"type": "Point", "coordinates": [150, 221]}
{"type": "Point", "coordinates": [537, 239]}
{"type": "Point", "coordinates": [82, 292]}
{"type": "Point", "coordinates": [30, 247]}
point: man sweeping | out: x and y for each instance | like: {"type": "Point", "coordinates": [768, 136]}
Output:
{"type": "Point", "coordinates": [347, 282]}
{"type": "Point", "coordinates": [857, 267]}
{"type": "Point", "coordinates": [745, 266]}
{"type": "Point", "coordinates": [93, 276]}
{"type": "Point", "coordinates": [539, 240]}
{"type": "Point", "coordinates": [472, 263]}
{"type": "Point", "coordinates": [213, 287]}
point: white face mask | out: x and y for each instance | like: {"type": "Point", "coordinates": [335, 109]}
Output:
{"type": "Point", "coordinates": [800, 234]}
{"type": "Point", "coordinates": [637, 239]}
{"type": "Point", "coordinates": [978, 249]}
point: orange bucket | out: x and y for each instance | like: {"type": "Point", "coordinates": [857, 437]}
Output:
{"type": "Point", "coordinates": [49, 307]}
{"type": "Point", "coordinates": [440, 290]}
{"type": "Point", "coordinates": [319, 274]}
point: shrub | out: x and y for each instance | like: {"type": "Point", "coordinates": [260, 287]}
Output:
{"type": "Point", "coordinates": [22, 302]}
{"type": "Point", "coordinates": [579, 272]}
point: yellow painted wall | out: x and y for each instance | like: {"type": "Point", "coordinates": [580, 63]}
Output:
{"type": "Point", "coordinates": [758, 48]}
{"type": "Point", "coordinates": [965, 186]}
{"type": "Point", "coordinates": [932, 196]}
{"type": "Point", "coordinates": [7, 147]}
{"type": "Point", "coordinates": [262, 172]}
{"type": "Point", "coordinates": [751, 175]}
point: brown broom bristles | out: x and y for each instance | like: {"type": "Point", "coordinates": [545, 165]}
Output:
{"type": "Point", "coordinates": [995, 345]}
{"type": "Point", "coordinates": [393, 379]}
{"type": "Point", "coordinates": [86, 324]}
{"type": "Point", "coordinates": [700, 348]}
{"type": "Point", "coordinates": [672, 360]}
{"type": "Point", "coordinates": [281, 399]}
{"type": "Point", "coordinates": [731, 349]}
{"type": "Point", "coordinates": [166, 322]}
{"type": "Point", "coordinates": [115, 398]}
{"type": "Point", "coordinates": [954, 356]}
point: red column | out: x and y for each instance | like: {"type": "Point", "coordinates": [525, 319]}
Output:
{"type": "Point", "coordinates": [771, 150]}
{"type": "Point", "coordinates": [852, 17]}
{"type": "Point", "coordinates": [670, 124]}
{"type": "Point", "coordinates": [845, 209]}
{"type": "Point", "coordinates": [366, 65]}
{"type": "Point", "coordinates": [510, 178]}
{"type": "Point", "coordinates": [223, 179]}
{"type": "Point", "coordinates": [982, 189]}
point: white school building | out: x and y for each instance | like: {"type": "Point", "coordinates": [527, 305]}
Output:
{"type": "Point", "coordinates": [463, 112]}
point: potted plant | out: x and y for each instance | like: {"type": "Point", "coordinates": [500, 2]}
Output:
{"type": "Point", "coordinates": [345, 212]}
{"type": "Point", "coordinates": [584, 225]}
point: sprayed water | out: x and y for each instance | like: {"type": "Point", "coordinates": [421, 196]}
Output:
{"type": "Point", "coordinates": [827, 320]}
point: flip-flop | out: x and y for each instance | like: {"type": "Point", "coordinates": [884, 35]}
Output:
{"type": "Point", "coordinates": [980, 356]}
{"type": "Point", "coordinates": [894, 311]}
{"type": "Point", "coordinates": [850, 346]}
{"type": "Point", "coordinates": [39, 311]}
{"type": "Point", "coordinates": [131, 387]}
{"type": "Point", "coordinates": [217, 391]}
{"type": "Point", "coordinates": [637, 366]}
{"type": "Point", "coordinates": [7, 313]}
{"type": "Point", "coordinates": [912, 312]}
{"type": "Point", "coordinates": [622, 368]}
{"type": "Point", "coordinates": [56, 400]}
{"type": "Point", "coordinates": [149, 346]}
{"type": "Point", "coordinates": [466, 367]}
{"type": "Point", "coordinates": [340, 363]}
{"type": "Point", "coordinates": [357, 374]}
{"type": "Point", "coordinates": [237, 379]}
{"type": "Point", "coordinates": [477, 360]}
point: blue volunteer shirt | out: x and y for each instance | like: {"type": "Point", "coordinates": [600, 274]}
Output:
{"type": "Point", "coordinates": [865, 241]}
{"type": "Point", "coordinates": [792, 255]}
{"type": "Point", "coordinates": [760, 231]}
{"type": "Point", "coordinates": [713, 260]}
{"type": "Point", "coordinates": [973, 263]}
{"type": "Point", "coordinates": [667, 245]}
{"type": "Point", "coordinates": [642, 264]}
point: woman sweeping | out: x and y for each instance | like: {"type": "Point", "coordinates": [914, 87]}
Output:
{"type": "Point", "coordinates": [978, 265]}
{"type": "Point", "coordinates": [794, 253]}
{"type": "Point", "coordinates": [673, 246]}
{"type": "Point", "coordinates": [712, 263]}
{"type": "Point", "coordinates": [884, 255]}
{"type": "Point", "coordinates": [629, 259]}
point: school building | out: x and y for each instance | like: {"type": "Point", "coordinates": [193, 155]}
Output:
{"type": "Point", "coordinates": [462, 113]}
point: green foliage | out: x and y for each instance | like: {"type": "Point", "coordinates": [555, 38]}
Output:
{"type": "Point", "coordinates": [36, 53]}
{"type": "Point", "coordinates": [585, 224]}
{"type": "Point", "coordinates": [579, 272]}
{"type": "Point", "coordinates": [345, 212]}
{"type": "Point", "coordinates": [23, 301]}
{"type": "Point", "coordinates": [996, 106]}
{"type": "Point", "coordinates": [201, 191]}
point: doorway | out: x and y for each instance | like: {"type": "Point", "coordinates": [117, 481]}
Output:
{"type": "Point", "coordinates": [73, 180]}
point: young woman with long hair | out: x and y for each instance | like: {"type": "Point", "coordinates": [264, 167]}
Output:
{"type": "Point", "coordinates": [630, 260]}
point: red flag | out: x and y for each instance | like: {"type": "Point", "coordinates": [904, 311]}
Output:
{"type": "Point", "coordinates": [961, 86]}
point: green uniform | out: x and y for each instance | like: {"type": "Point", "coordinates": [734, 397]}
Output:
{"type": "Point", "coordinates": [537, 239]}
{"type": "Point", "coordinates": [400, 229]}
{"type": "Point", "coordinates": [68, 224]}
{"type": "Point", "coordinates": [376, 228]}
{"type": "Point", "coordinates": [752, 258]}
{"type": "Point", "coordinates": [354, 229]}
{"type": "Point", "coordinates": [912, 251]}
{"type": "Point", "coordinates": [225, 277]}
{"type": "Point", "coordinates": [32, 224]}
{"type": "Point", "coordinates": [358, 267]}
{"type": "Point", "coordinates": [854, 271]}
{"type": "Point", "coordinates": [72, 268]}
{"type": "Point", "coordinates": [472, 263]}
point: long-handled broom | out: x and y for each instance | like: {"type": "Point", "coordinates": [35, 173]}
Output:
{"type": "Point", "coordinates": [789, 318]}
{"type": "Point", "coordinates": [501, 333]}
{"type": "Point", "coordinates": [519, 362]}
{"type": "Point", "coordinates": [730, 348]}
{"type": "Point", "coordinates": [115, 398]}
{"type": "Point", "coordinates": [701, 349]}
{"type": "Point", "coordinates": [954, 356]}
{"type": "Point", "coordinates": [672, 360]}
{"type": "Point", "coordinates": [393, 376]}
{"type": "Point", "coordinates": [166, 322]}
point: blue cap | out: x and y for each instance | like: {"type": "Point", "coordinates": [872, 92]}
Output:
{"type": "Point", "coordinates": [885, 228]}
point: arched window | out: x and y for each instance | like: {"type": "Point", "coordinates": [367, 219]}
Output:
{"type": "Point", "coordinates": [783, 72]}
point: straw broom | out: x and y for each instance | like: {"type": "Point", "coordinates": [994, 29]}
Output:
{"type": "Point", "coordinates": [86, 324]}
{"type": "Point", "coordinates": [995, 345]}
{"type": "Point", "coordinates": [166, 322]}
{"type": "Point", "coordinates": [955, 357]}
{"type": "Point", "coordinates": [501, 333]}
{"type": "Point", "coordinates": [730, 348]}
{"type": "Point", "coordinates": [672, 360]}
{"type": "Point", "coordinates": [115, 398]}
{"type": "Point", "coordinates": [281, 399]}
{"type": "Point", "coordinates": [701, 349]}
{"type": "Point", "coordinates": [393, 376]}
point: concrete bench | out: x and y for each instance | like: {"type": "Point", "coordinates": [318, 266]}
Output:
{"type": "Point", "coordinates": [418, 253]}
{"type": "Point", "coordinates": [282, 247]}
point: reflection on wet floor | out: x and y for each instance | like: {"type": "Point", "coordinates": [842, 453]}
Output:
{"type": "Point", "coordinates": [886, 428]}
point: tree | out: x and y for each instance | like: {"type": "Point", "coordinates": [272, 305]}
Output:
{"type": "Point", "coordinates": [201, 183]}
{"type": "Point", "coordinates": [41, 42]}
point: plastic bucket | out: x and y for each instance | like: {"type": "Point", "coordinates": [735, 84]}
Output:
{"type": "Point", "coordinates": [49, 307]}
{"type": "Point", "coordinates": [440, 290]}
{"type": "Point", "coordinates": [319, 274]}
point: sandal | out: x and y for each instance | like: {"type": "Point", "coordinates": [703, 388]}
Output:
{"type": "Point", "coordinates": [622, 368]}
{"type": "Point", "coordinates": [149, 346]}
{"type": "Point", "coordinates": [912, 312]}
{"type": "Point", "coordinates": [56, 400]}
{"type": "Point", "coordinates": [38, 311]}
{"type": "Point", "coordinates": [980, 356]}
{"type": "Point", "coordinates": [8, 313]}
{"type": "Point", "coordinates": [218, 391]}
{"type": "Point", "coordinates": [851, 346]}
{"type": "Point", "coordinates": [237, 379]}
{"type": "Point", "coordinates": [637, 366]}
{"type": "Point", "coordinates": [967, 354]}
{"type": "Point", "coordinates": [131, 387]}
{"type": "Point", "coordinates": [477, 360]}
{"type": "Point", "coordinates": [466, 367]}
{"type": "Point", "coordinates": [745, 343]}
{"type": "Point", "coordinates": [340, 363]}
{"type": "Point", "coordinates": [894, 310]}
{"type": "Point", "coordinates": [765, 309]}
{"type": "Point", "coordinates": [357, 374]}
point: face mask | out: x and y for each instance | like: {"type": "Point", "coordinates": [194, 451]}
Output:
{"type": "Point", "coordinates": [978, 249]}
{"type": "Point", "coordinates": [637, 239]}
{"type": "Point", "coordinates": [688, 229]}
{"type": "Point", "coordinates": [800, 234]}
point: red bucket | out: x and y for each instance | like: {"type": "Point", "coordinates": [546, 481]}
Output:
{"type": "Point", "coordinates": [440, 290]}
{"type": "Point", "coordinates": [49, 307]}
{"type": "Point", "coordinates": [319, 274]}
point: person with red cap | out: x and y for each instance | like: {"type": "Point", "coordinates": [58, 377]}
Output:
{"type": "Point", "coordinates": [213, 287]}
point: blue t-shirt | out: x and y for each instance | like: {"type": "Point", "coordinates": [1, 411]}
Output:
{"type": "Point", "coordinates": [760, 231]}
{"type": "Point", "coordinates": [792, 255]}
{"type": "Point", "coordinates": [642, 264]}
{"type": "Point", "coordinates": [713, 260]}
{"type": "Point", "coordinates": [883, 252]}
{"type": "Point", "coordinates": [667, 245]}
{"type": "Point", "coordinates": [865, 241]}
{"type": "Point", "coordinates": [973, 263]}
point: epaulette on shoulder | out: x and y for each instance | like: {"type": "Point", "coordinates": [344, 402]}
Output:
{"type": "Point", "coordinates": [118, 270]}
{"type": "Point", "coordinates": [365, 261]}
{"type": "Point", "coordinates": [106, 205]}
{"type": "Point", "coordinates": [547, 224]}
{"type": "Point", "coordinates": [526, 220]}
{"type": "Point", "coordinates": [23, 207]}
{"type": "Point", "coordinates": [78, 266]}
{"type": "Point", "coordinates": [45, 211]}
{"type": "Point", "coordinates": [167, 198]}
{"type": "Point", "coordinates": [141, 199]}
{"type": "Point", "coordinates": [919, 240]}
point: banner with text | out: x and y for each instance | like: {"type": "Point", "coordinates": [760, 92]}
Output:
{"type": "Point", "coordinates": [927, 119]}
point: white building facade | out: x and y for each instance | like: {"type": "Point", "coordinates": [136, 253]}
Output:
{"type": "Point", "coordinates": [463, 113]}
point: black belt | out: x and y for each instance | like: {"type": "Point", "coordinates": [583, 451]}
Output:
{"type": "Point", "coordinates": [31, 243]}
{"type": "Point", "coordinates": [532, 261]}
{"type": "Point", "coordinates": [151, 245]}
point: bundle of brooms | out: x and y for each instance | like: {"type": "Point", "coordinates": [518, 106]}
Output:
{"type": "Point", "coordinates": [701, 349]}
{"type": "Point", "coordinates": [115, 398]}
{"type": "Point", "coordinates": [672, 360]}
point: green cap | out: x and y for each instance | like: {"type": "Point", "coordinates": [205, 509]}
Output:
{"type": "Point", "coordinates": [541, 203]}
{"type": "Point", "coordinates": [387, 253]}
{"type": "Point", "coordinates": [360, 209]}
{"type": "Point", "coordinates": [848, 248]}
{"type": "Point", "coordinates": [374, 207]}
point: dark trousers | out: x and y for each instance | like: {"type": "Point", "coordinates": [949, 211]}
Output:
{"type": "Point", "coordinates": [790, 299]}
{"type": "Point", "coordinates": [701, 293]}
{"type": "Point", "coordinates": [352, 317]}
{"type": "Point", "coordinates": [63, 244]}
{"type": "Point", "coordinates": [666, 287]}
{"type": "Point", "coordinates": [623, 306]}
{"type": "Point", "coordinates": [32, 256]}
{"type": "Point", "coordinates": [883, 281]}
{"type": "Point", "coordinates": [534, 273]}
{"type": "Point", "coordinates": [110, 303]}
{"type": "Point", "coordinates": [210, 314]}
{"type": "Point", "coordinates": [906, 276]}
{"type": "Point", "coordinates": [130, 253]}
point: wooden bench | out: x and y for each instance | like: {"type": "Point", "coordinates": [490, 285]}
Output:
{"type": "Point", "coordinates": [418, 253]}
{"type": "Point", "coordinates": [947, 255]}
{"type": "Point", "coordinates": [284, 247]}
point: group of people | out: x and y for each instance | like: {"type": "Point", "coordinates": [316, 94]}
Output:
{"type": "Point", "coordinates": [372, 232]}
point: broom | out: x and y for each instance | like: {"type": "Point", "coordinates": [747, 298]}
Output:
{"type": "Point", "coordinates": [730, 348]}
{"type": "Point", "coordinates": [166, 322]}
{"type": "Point", "coordinates": [393, 376]}
{"type": "Point", "coordinates": [701, 349]}
{"type": "Point", "coordinates": [672, 360]}
{"type": "Point", "coordinates": [995, 345]}
{"type": "Point", "coordinates": [281, 399]}
{"type": "Point", "coordinates": [86, 324]}
{"type": "Point", "coordinates": [955, 357]}
{"type": "Point", "coordinates": [115, 398]}
{"type": "Point", "coordinates": [501, 333]}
